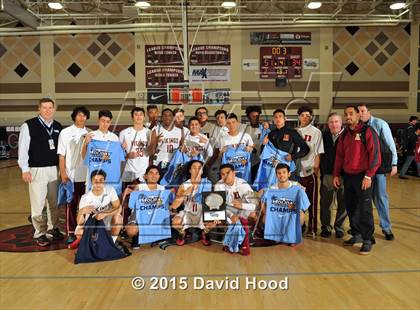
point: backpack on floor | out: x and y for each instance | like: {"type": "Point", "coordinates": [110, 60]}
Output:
{"type": "Point", "coordinates": [96, 244]}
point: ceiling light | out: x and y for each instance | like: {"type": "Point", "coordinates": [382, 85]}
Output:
{"type": "Point", "coordinates": [397, 5]}
{"type": "Point", "coordinates": [55, 5]}
{"type": "Point", "coordinates": [142, 4]}
{"type": "Point", "coordinates": [229, 4]}
{"type": "Point", "coordinates": [313, 5]}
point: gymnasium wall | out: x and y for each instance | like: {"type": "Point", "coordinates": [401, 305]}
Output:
{"type": "Point", "coordinates": [105, 70]}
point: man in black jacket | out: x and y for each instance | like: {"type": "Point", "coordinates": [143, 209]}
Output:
{"type": "Point", "coordinates": [286, 139]}
{"type": "Point", "coordinates": [327, 192]}
{"type": "Point", "coordinates": [409, 145]}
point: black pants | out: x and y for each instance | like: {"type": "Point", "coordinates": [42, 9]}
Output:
{"type": "Point", "coordinates": [358, 204]}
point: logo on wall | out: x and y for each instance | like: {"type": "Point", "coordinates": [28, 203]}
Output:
{"type": "Point", "coordinates": [209, 74]}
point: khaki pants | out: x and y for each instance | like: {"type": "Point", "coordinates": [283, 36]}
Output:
{"type": "Point", "coordinates": [43, 187]}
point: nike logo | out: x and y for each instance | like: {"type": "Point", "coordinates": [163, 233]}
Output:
{"type": "Point", "coordinates": [153, 97]}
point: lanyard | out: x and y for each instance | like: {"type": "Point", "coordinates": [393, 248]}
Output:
{"type": "Point", "coordinates": [49, 131]}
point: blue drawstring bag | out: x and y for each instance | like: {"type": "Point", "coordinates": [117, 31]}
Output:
{"type": "Point", "coordinates": [96, 244]}
{"type": "Point", "coordinates": [65, 193]}
{"type": "Point", "coordinates": [234, 237]}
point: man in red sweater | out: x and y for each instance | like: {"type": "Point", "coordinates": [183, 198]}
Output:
{"type": "Point", "coordinates": [357, 159]}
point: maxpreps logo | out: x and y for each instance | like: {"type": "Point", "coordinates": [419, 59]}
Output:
{"type": "Point", "coordinates": [282, 205]}
{"type": "Point", "coordinates": [237, 161]}
{"type": "Point", "coordinates": [203, 73]}
{"type": "Point", "coordinates": [100, 156]}
{"type": "Point", "coordinates": [149, 202]}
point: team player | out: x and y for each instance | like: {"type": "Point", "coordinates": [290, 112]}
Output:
{"type": "Point", "coordinates": [165, 140]}
{"type": "Point", "coordinates": [240, 198]}
{"type": "Point", "coordinates": [308, 166]}
{"type": "Point", "coordinates": [286, 139]}
{"type": "Point", "coordinates": [196, 143]}
{"type": "Point", "coordinates": [179, 120]}
{"type": "Point", "coordinates": [102, 203]}
{"type": "Point", "coordinates": [283, 206]}
{"type": "Point", "coordinates": [203, 116]}
{"type": "Point", "coordinates": [38, 161]}
{"type": "Point", "coordinates": [71, 164]}
{"type": "Point", "coordinates": [135, 141]}
{"type": "Point", "coordinates": [151, 178]}
{"type": "Point", "coordinates": [235, 138]}
{"type": "Point", "coordinates": [189, 195]}
{"type": "Point", "coordinates": [153, 116]}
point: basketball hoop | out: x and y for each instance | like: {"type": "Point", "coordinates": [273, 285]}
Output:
{"type": "Point", "coordinates": [185, 93]}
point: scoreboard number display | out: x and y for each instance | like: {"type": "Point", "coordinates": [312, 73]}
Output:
{"type": "Point", "coordinates": [276, 61]}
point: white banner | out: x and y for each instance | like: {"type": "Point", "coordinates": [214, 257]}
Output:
{"type": "Point", "coordinates": [209, 74]}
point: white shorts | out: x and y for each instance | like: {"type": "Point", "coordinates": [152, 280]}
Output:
{"type": "Point", "coordinates": [190, 219]}
{"type": "Point", "coordinates": [239, 212]}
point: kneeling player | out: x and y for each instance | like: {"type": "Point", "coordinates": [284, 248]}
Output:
{"type": "Point", "coordinates": [283, 206]}
{"type": "Point", "coordinates": [240, 198]}
{"type": "Point", "coordinates": [101, 202]}
{"type": "Point", "coordinates": [151, 177]}
{"type": "Point", "coordinates": [189, 194]}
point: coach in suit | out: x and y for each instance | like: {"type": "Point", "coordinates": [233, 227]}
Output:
{"type": "Point", "coordinates": [38, 161]}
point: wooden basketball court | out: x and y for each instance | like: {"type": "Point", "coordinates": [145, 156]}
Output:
{"type": "Point", "coordinates": [321, 273]}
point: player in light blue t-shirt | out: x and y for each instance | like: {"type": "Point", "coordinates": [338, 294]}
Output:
{"type": "Point", "coordinates": [283, 207]}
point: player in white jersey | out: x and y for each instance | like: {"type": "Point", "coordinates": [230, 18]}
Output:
{"type": "Point", "coordinates": [308, 166]}
{"type": "Point", "coordinates": [179, 121]}
{"type": "Point", "coordinates": [196, 143]}
{"type": "Point", "coordinates": [102, 203]}
{"type": "Point", "coordinates": [71, 164]}
{"type": "Point", "coordinates": [219, 131]}
{"type": "Point", "coordinates": [135, 141]}
{"type": "Point", "coordinates": [240, 198]}
{"type": "Point", "coordinates": [102, 133]}
{"type": "Point", "coordinates": [165, 140]}
{"type": "Point", "coordinates": [235, 138]}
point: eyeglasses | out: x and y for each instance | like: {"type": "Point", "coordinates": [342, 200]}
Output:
{"type": "Point", "coordinates": [201, 113]}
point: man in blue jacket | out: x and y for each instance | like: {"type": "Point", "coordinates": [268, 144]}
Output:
{"type": "Point", "coordinates": [380, 196]}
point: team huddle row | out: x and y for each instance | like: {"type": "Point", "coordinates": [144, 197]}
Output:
{"type": "Point", "coordinates": [153, 176]}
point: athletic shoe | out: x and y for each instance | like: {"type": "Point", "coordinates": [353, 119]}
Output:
{"type": "Point", "coordinates": [339, 234]}
{"type": "Point", "coordinates": [325, 233]}
{"type": "Point", "coordinates": [55, 234]}
{"type": "Point", "coordinates": [123, 235]}
{"type": "Point", "coordinates": [403, 177]}
{"type": "Point", "coordinates": [205, 240]}
{"type": "Point", "coordinates": [366, 248]}
{"type": "Point", "coordinates": [355, 240]}
{"type": "Point", "coordinates": [43, 241]}
{"type": "Point", "coordinates": [373, 240]}
{"type": "Point", "coordinates": [135, 243]}
{"type": "Point", "coordinates": [71, 238]}
{"type": "Point", "coordinates": [123, 248]}
{"type": "Point", "coordinates": [75, 244]}
{"type": "Point", "coordinates": [388, 235]}
{"type": "Point", "coordinates": [180, 241]}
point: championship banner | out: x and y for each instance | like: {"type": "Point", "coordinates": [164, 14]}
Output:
{"type": "Point", "coordinates": [158, 77]}
{"type": "Point", "coordinates": [209, 74]}
{"type": "Point", "coordinates": [217, 55]}
{"type": "Point", "coordinates": [161, 55]}
{"type": "Point", "coordinates": [169, 55]}
{"type": "Point", "coordinates": [280, 38]}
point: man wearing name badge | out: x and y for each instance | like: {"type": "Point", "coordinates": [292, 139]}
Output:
{"type": "Point", "coordinates": [380, 195]}
{"type": "Point", "coordinates": [71, 164]}
{"type": "Point", "coordinates": [38, 161]}
{"type": "Point", "coordinates": [357, 162]}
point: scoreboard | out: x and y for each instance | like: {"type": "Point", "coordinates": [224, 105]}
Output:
{"type": "Point", "coordinates": [278, 61]}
